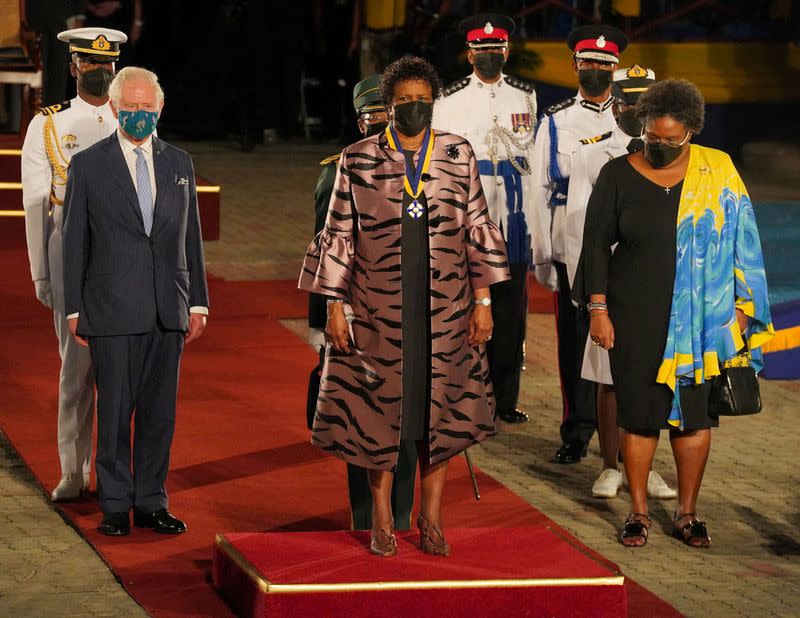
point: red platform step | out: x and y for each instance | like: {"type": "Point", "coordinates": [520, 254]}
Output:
{"type": "Point", "coordinates": [529, 571]}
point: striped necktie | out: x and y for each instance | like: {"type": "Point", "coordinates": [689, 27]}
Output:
{"type": "Point", "coordinates": [144, 190]}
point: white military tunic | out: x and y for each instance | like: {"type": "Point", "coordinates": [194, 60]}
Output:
{"type": "Point", "coordinates": [498, 120]}
{"type": "Point", "coordinates": [569, 122]}
{"type": "Point", "coordinates": [53, 138]}
{"type": "Point", "coordinates": [586, 166]}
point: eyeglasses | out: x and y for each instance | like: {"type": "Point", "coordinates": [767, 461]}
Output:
{"type": "Point", "coordinates": [671, 143]}
{"type": "Point", "coordinates": [374, 117]}
{"type": "Point", "coordinates": [593, 64]}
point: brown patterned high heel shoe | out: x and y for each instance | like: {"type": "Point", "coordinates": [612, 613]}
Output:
{"type": "Point", "coordinates": [431, 539]}
{"type": "Point", "coordinates": [383, 542]}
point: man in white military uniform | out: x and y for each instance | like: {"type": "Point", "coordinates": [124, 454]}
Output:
{"type": "Point", "coordinates": [595, 56]}
{"type": "Point", "coordinates": [624, 139]}
{"type": "Point", "coordinates": [496, 113]}
{"type": "Point", "coordinates": [53, 137]}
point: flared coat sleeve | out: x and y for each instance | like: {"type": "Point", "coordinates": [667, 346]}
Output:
{"type": "Point", "coordinates": [328, 265]}
{"type": "Point", "coordinates": [486, 248]}
{"type": "Point", "coordinates": [599, 235]}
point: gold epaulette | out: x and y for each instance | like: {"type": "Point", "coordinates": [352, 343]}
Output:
{"type": "Point", "coordinates": [331, 159]}
{"type": "Point", "coordinates": [54, 109]}
{"type": "Point", "coordinates": [596, 138]}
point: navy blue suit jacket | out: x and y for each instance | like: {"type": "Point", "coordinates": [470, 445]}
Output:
{"type": "Point", "coordinates": [117, 278]}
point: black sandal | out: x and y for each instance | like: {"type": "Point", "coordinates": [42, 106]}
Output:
{"type": "Point", "coordinates": [635, 528]}
{"type": "Point", "coordinates": [694, 533]}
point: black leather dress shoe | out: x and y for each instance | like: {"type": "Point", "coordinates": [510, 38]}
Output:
{"type": "Point", "coordinates": [570, 452]}
{"type": "Point", "coordinates": [161, 521]}
{"type": "Point", "coordinates": [115, 524]}
{"type": "Point", "coordinates": [513, 416]}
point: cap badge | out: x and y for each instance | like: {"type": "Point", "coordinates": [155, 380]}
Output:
{"type": "Point", "coordinates": [601, 41]}
{"type": "Point", "coordinates": [488, 28]}
{"type": "Point", "coordinates": [101, 43]}
{"type": "Point", "coordinates": [636, 71]}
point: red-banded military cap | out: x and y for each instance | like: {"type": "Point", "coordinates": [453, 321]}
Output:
{"type": "Point", "coordinates": [487, 30]}
{"type": "Point", "coordinates": [98, 44]}
{"type": "Point", "coordinates": [597, 42]}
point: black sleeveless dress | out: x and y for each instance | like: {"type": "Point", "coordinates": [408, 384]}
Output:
{"type": "Point", "coordinates": [416, 319]}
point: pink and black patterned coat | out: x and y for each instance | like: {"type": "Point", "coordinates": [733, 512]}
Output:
{"type": "Point", "coordinates": [357, 257]}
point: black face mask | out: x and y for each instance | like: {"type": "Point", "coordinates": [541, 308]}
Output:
{"type": "Point", "coordinates": [413, 117]}
{"type": "Point", "coordinates": [489, 64]}
{"type": "Point", "coordinates": [629, 123]}
{"type": "Point", "coordinates": [661, 155]}
{"type": "Point", "coordinates": [375, 128]}
{"type": "Point", "coordinates": [594, 82]}
{"type": "Point", "coordinates": [96, 82]}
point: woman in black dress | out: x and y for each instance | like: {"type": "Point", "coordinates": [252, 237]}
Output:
{"type": "Point", "coordinates": [643, 314]}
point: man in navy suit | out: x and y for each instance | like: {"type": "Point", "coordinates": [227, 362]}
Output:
{"type": "Point", "coordinates": [135, 292]}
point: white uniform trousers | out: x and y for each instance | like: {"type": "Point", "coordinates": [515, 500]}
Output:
{"type": "Point", "coordinates": [76, 382]}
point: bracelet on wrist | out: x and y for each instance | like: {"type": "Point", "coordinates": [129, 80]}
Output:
{"type": "Point", "coordinates": [596, 305]}
{"type": "Point", "coordinates": [332, 301]}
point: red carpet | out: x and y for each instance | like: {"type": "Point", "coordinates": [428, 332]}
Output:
{"type": "Point", "coordinates": [241, 460]}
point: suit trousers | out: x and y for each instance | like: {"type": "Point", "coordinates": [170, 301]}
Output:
{"type": "Point", "coordinates": [75, 402]}
{"type": "Point", "coordinates": [402, 490]}
{"type": "Point", "coordinates": [579, 396]}
{"type": "Point", "coordinates": [505, 348]}
{"type": "Point", "coordinates": [135, 373]}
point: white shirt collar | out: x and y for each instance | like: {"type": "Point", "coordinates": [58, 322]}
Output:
{"type": "Point", "coordinates": [483, 84]}
{"type": "Point", "coordinates": [78, 102]}
{"type": "Point", "coordinates": [128, 145]}
{"type": "Point", "coordinates": [599, 107]}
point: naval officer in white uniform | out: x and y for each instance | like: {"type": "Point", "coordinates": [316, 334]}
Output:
{"type": "Point", "coordinates": [595, 52]}
{"type": "Point", "coordinates": [54, 136]}
{"type": "Point", "coordinates": [496, 113]}
{"type": "Point", "coordinates": [624, 139]}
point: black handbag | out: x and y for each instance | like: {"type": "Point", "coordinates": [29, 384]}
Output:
{"type": "Point", "coordinates": [735, 392]}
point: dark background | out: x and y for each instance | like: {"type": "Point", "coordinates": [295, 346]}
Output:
{"type": "Point", "coordinates": [232, 69]}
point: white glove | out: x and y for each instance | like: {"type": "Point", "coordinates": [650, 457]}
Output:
{"type": "Point", "coordinates": [546, 275]}
{"type": "Point", "coordinates": [44, 293]}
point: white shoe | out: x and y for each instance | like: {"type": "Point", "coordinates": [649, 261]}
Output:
{"type": "Point", "coordinates": [657, 487]}
{"type": "Point", "coordinates": [70, 487]}
{"type": "Point", "coordinates": [607, 484]}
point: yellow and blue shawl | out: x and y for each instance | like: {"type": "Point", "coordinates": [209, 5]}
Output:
{"type": "Point", "coordinates": [719, 267]}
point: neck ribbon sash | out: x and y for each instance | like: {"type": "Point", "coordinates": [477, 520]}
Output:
{"type": "Point", "coordinates": [412, 181]}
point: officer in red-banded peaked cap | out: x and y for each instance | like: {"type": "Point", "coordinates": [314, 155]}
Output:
{"type": "Point", "coordinates": [595, 51]}
{"type": "Point", "coordinates": [496, 113]}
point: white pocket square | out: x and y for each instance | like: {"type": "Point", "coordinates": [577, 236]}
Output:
{"type": "Point", "coordinates": [183, 181]}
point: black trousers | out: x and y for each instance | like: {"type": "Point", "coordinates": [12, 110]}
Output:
{"type": "Point", "coordinates": [579, 420]}
{"type": "Point", "coordinates": [135, 372]}
{"type": "Point", "coordinates": [505, 348]}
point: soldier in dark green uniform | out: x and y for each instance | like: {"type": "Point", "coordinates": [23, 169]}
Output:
{"type": "Point", "coordinates": [372, 118]}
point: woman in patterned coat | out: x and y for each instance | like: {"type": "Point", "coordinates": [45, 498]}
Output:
{"type": "Point", "coordinates": [408, 254]}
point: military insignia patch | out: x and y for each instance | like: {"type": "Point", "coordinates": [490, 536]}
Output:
{"type": "Point", "coordinates": [101, 43]}
{"type": "Point", "coordinates": [452, 151]}
{"type": "Point", "coordinates": [69, 141]}
{"type": "Point", "coordinates": [521, 123]}
{"type": "Point", "coordinates": [636, 71]}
